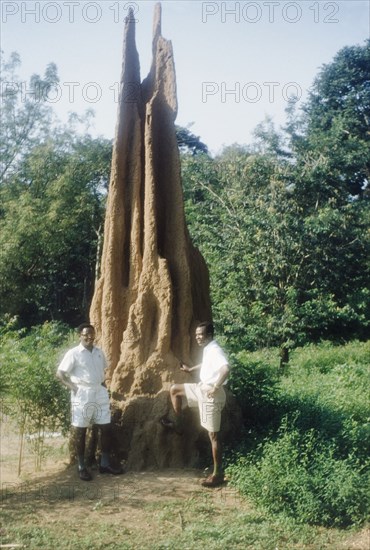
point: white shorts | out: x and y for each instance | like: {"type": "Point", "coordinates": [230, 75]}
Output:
{"type": "Point", "coordinates": [209, 408]}
{"type": "Point", "coordinates": [90, 405]}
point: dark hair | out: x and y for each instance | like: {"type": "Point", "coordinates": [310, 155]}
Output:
{"type": "Point", "coordinates": [81, 327]}
{"type": "Point", "coordinates": [208, 326]}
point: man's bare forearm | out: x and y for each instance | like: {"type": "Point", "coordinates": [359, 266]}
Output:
{"type": "Point", "coordinates": [66, 381]}
{"type": "Point", "coordinates": [224, 372]}
{"type": "Point", "coordinates": [185, 368]}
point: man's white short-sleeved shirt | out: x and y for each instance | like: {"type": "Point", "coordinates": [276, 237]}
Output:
{"type": "Point", "coordinates": [213, 359]}
{"type": "Point", "coordinates": [83, 366]}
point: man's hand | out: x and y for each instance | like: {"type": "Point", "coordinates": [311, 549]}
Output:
{"type": "Point", "coordinates": [211, 392]}
{"type": "Point", "coordinates": [66, 381]}
{"type": "Point", "coordinates": [185, 368]}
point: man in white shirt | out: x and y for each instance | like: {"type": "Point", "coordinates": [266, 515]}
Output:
{"type": "Point", "coordinates": [208, 395]}
{"type": "Point", "coordinates": [82, 370]}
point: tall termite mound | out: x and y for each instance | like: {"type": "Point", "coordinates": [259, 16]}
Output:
{"type": "Point", "coordinates": [154, 284]}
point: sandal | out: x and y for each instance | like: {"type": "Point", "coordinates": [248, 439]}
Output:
{"type": "Point", "coordinates": [170, 425]}
{"type": "Point", "coordinates": [213, 481]}
{"type": "Point", "coordinates": [84, 475]}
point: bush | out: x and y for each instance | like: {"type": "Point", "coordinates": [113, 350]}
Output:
{"type": "Point", "coordinates": [331, 396]}
{"type": "Point", "coordinates": [31, 394]}
{"type": "Point", "coordinates": [299, 475]}
{"type": "Point", "coordinates": [314, 463]}
{"type": "Point", "coordinates": [255, 384]}
{"type": "Point", "coordinates": [325, 356]}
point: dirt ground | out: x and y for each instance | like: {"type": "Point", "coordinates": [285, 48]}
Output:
{"type": "Point", "coordinates": [56, 491]}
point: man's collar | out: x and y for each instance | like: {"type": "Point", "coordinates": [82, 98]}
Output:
{"type": "Point", "coordinates": [82, 348]}
{"type": "Point", "coordinates": [209, 343]}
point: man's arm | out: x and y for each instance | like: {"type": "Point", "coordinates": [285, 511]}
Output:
{"type": "Point", "coordinates": [66, 381]}
{"type": "Point", "coordinates": [185, 368]}
{"type": "Point", "coordinates": [223, 374]}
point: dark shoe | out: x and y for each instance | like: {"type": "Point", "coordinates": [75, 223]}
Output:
{"type": "Point", "coordinates": [110, 470]}
{"type": "Point", "coordinates": [213, 481]}
{"type": "Point", "coordinates": [84, 475]}
{"type": "Point", "coordinates": [170, 425]}
{"type": "Point", "coordinates": [167, 423]}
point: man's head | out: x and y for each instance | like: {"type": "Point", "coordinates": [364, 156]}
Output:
{"type": "Point", "coordinates": [87, 335]}
{"type": "Point", "coordinates": [204, 334]}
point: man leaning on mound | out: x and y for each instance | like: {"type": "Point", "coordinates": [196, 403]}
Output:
{"type": "Point", "coordinates": [82, 370]}
{"type": "Point", "coordinates": [208, 395]}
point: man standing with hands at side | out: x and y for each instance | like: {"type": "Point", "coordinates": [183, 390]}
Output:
{"type": "Point", "coordinates": [82, 370]}
{"type": "Point", "coordinates": [208, 395]}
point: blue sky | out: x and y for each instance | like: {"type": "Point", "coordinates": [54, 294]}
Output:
{"type": "Point", "coordinates": [236, 62]}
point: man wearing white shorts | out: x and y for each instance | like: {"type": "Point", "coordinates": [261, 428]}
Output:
{"type": "Point", "coordinates": [208, 395]}
{"type": "Point", "coordinates": [82, 370]}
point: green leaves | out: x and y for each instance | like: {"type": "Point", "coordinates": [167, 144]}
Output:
{"type": "Point", "coordinates": [337, 117]}
{"type": "Point", "coordinates": [52, 210]}
{"type": "Point", "coordinates": [25, 115]}
{"type": "Point", "coordinates": [283, 235]}
{"type": "Point", "coordinates": [29, 363]}
{"type": "Point", "coordinates": [314, 463]}
{"type": "Point", "coordinates": [52, 205]}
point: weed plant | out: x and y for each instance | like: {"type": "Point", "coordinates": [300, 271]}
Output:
{"type": "Point", "coordinates": [310, 431]}
{"type": "Point", "coordinates": [30, 393]}
{"type": "Point", "coordinates": [306, 445]}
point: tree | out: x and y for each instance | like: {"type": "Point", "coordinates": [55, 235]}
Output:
{"type": "Point", "coordinates": [245, 221]}
{"type": "Point", "coordinates": [284, 269]}
{"type": "Point", "coordinates": [268, 141]}
{"type": "Point", "coordinates": [188, 142]}
{"type": "Point", "coordinates": [334, 156]}
{"type": "Point", "coordinates": [52, 209]}
{"type": "Point", "coordinates": [51, 215]}
{"type": "Point", "coordinates": [26, 117]}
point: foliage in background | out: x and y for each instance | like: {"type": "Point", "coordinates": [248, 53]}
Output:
{"type": "Point", "coordinates": [306, 452]}
{"type": "Point", "coordinates": [280, 275]}
{"type": "Point", "coordinates": [52, 198]}
{"type": "Point", "coordinates": [283, 224]}
{"type": "Point", "coordinates": [26, 118]}
{"type": "Point", "coordinates": [336, 122]}
{"type": "Point", "coordinates": [30, 392]}
{"type": "Point", "coordinates": [189, 142]}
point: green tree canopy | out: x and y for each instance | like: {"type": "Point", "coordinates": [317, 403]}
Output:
{"type": "Point", "coordinates": [335, 151]}
{"type": "Point", "coordinates": [189, 142]}
{"type": "Point", "coordinates": [52, 207]}
{"type": "Point", "coordinates": [283, 223]}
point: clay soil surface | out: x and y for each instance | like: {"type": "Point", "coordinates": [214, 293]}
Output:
{"type": "Point", "coordinates": [52, 508]}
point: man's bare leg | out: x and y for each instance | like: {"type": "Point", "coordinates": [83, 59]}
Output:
{"type": "Point", "coordinates": [216, 452]}
{"type": "Point", "coordinates": [177, 392]}
{"type": "Point", "coordinates": [80, 439]}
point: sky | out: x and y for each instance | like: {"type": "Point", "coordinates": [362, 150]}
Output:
{"type": "Point", "coordinates": [236, 62]}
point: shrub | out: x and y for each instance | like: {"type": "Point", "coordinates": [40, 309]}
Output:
{"type": "Point", "coordinates": [255, 384]}
{"type": "Point", "coordinates": [325, 356]}
{"type": "Point", "coordinates": [314, 463]}
{"type": "Point", "coordinates": [31, 395]}
{"type": "Point", "coordinates": [299, 475]}
{"type": "Point", "coordinates": [334, 402]}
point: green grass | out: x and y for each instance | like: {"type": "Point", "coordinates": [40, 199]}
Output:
{"type": "Point", "coordinates": [310, 458]}
{"type": "Point", "coordinates": [206, 520]}
{"type": "Point", "coordinates": [301, 473]}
